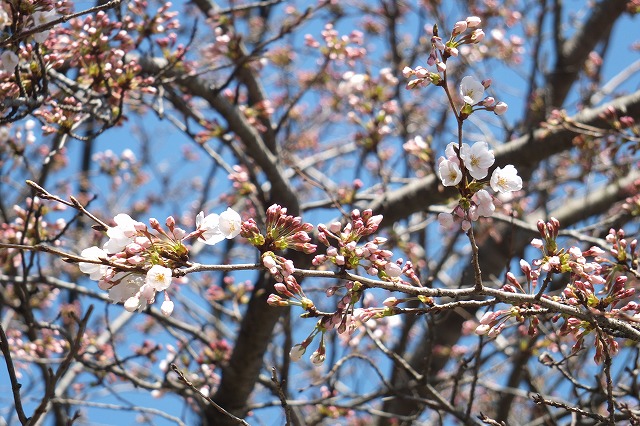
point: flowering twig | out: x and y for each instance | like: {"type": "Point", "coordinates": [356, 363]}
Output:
{"type": "Point", "coordinates": [64, 18]}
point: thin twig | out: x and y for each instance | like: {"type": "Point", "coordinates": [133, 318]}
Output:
{"type": "Point", "coordinates": [281, 395]}
{"type": "Point", "coordinates": [206, 398]}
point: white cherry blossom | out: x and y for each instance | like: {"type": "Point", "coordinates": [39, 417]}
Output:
{"type": "Point", "coordinates": [471, 90]}
{"type": "Point", "coordinates": [477, 159]}
{"type": "Point", "coordinates": [449, 172]}
{"type": "Point", "coordinates": [8, 61]}
{"type": "Point", "coordinates": [506, 180]}
{"type": "Point", "coordinates": [484, 203]}
{"type": "Point", "coordinates": [128, 287]}
{"type": "Point", "coordinates": [95, 270]}
{"type": "Point", "coordinates": [218, 227]}
{"type": "Point", "coordinates": [122, 234]}
{"type": "Point", "coordinates": [42, 18]}
{"type": "Point", "coordinates": [158, 277]}
{"type": "Point", "coordinates": [230, 223]}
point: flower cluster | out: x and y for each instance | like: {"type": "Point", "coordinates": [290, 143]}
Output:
{"type": "Point", "coordinates": [465, 167]}
{"type": "Point", "coordinates": [136, 263]}
{"type": "Point", "coordinates": [283, 232]}
{"type": "Point", "coordinates": [442, 51]}
{"type": "Point", "coordinates": [337, 47]}
{"type": "Point", "coordinates": [596, 283]}
{"type": "Point", "coordinates": [349, 255]}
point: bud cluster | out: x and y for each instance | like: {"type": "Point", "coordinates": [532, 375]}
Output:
{"type": "Point", "coordinates": [347, 254]}
{"type": "Point", "coordinates": [441, 51]}
{"type": "Point", "coordinates": [283, 232]}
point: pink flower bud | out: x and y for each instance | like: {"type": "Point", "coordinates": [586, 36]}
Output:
{"type": "Point", "coordinates": [482, 329]}
{"type": "Point", "coordinates": [166, 308]}
{"type": "Point", "coordinates": [459, 27]}
{"type": "Point", "coordinates": [374, 220]}
{"type": "Point", "coordinates": [268, 261]}
{"type": "Point", "coordinates": [170, 222]}
{"type": "Point", "coordinates": [477, 36]}
{"type": "Point", "coordinates": [390, 301]}
{"type": "Point", "coordinates": [437, 42]}
{"type": "Point", "coordinates": [335, 227]}
{"type": "Point", "coordinates": [488, 101]}
{"type": "Point", "coordinates": [275, 300]}
{"type": "Point", "coordinates": [296, 352]}
{"type": "Point", "coordinates": [500, 108]}
{"type": "Point", "coordinates": [473, 21]}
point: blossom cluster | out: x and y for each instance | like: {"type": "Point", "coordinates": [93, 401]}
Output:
{"type": "Point", "coordinates": [463, 163]}
{"type": "Point", "coordinates": [336, 46]}
{"type": "Point", "coordinates": [136, 263]}
{"type": "Point", "coordinates": [441, 51]}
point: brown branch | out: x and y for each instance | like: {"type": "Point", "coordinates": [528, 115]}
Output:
{"type": "Point", "coordinates": [15, 385]}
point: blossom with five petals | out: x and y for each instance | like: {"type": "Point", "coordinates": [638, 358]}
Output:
{"type": "Point", "coordinates": [449, 172]}
{"type": "Point", "coordinates": [471, 90]}
{"type": "Point", "coordinates": [506, 180]}
{"type": "Point", "coordinates": [477, 159]}
{"type": "Point", "coordinates": [158, 277]}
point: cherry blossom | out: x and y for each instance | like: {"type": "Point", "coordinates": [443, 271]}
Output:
{"type": "Point", "coordinates": [506, 180]}
{"type": "Point", "coordinates": [215, 228]}
{"type": "Point", "coordinates": [8, 61]}
{"type": "Point", "coordinates": [471, 90]}
{"type": "Point", "coordinates": [230, 223]}
{"type": "Point", "coordinates": [128, 287]}
{"type": "Point", "coordinates": [96, 271]}
{"type": "Point", "coordinates": [122, 234]}
{"type": "Point", "coordinates": [42, 18]}
{"type": "Point", "coordinates": [446, 220]}
{"type": "Point", "coordinates": [477, 159]}
{"type": "Point", "coordinates": [484, 203]}
{"type": "Point", "coordinates": [449, 172]}
{"type": "Point", "coordinates": [158, 277]}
